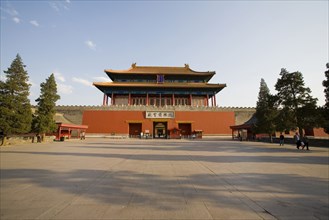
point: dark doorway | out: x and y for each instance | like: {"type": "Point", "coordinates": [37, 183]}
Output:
{"type": "Point", "coordinates": [186, 129]}
{"type": "Point", "coordinates": [135, 129]}
{"type": "Point", "coordinates": [160, 129]}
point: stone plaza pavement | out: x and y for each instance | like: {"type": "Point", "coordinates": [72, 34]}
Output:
{"type": "Point", "coordinates": [163, 179]}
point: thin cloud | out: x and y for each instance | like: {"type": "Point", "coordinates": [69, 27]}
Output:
{"type": "Point", "coordinates": [54, 6]}
{"type": "Point", "coordinates": [91, 45]}
{"type": "Point", "coordinates": [59, 76]}
{"type": "Point", "coordinates": [68, 1]}
{"type": "Point", "coordinates": [102, 79]}
{"type": "Point", "coordinates": [34, 23]}
{"type": "Point", "coordinates": [58, 6]}
{"type": "Point", "coordinates": [10, 11]}
{"type": "Point", "coordinates": [16, 20]}
{"type": "Point", "coordinates": [82, 81]}
{"type": "Point", "coordinates": [64, 89]}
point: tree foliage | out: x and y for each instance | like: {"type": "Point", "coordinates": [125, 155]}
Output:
{"type": "Point", "coordinates": [266, 111]}
{"type": "Point", "coordinates": [15, 107]}
{"type": "Point", "coordinates": [325, 109]}
{"type": "Point", "coordinates": [43, 121]}
{"type": "Point", "coordinates": [295, 101]}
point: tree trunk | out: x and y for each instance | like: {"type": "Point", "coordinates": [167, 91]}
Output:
{"type": "Point", "coordinates": [271, 139]}
{"type": "Point", "coordinates": [3, 141]}
{"type": "Point", "coordinates": [301, 133]}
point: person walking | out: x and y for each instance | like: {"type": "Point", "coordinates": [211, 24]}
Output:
{"type": "Point", "coordinates": [297, 140]}
{"type": "Point", "coordinates": [305, 140]}
{"type": "Point", "coordinates": [83, 135]}
{"type": "Point", "coordinates": [281, 139]}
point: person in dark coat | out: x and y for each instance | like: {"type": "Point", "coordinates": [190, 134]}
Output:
{"type": "Point", "coordinates": [305, 141]}
{"type": "Point", "coordinates": [281, 139]}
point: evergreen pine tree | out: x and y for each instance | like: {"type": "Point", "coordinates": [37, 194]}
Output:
{"type": "Point", "coordinates": [325, 111]}
{"type": "Point", "coordinates": [15, 107]}
{"type": "Point", "coordinates": [295, 101]}
{"type": "Point", "coordinates": [43, 122]}
{"type": "Point", "coordinates": [266, 111]}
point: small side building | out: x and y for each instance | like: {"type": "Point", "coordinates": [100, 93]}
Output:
{"type": "Point", "coordinates": [70, 131]}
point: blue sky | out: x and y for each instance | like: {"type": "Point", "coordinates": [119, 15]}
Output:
{"type": "Point", "coordinates": [243, 41]}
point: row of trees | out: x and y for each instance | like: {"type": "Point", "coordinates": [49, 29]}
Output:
{"type": "Point", "coordinates": [16, 116]}
{"type": "Point", "coordinates": [292, 107]}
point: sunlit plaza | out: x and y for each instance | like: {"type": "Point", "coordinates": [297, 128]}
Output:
{"type": "Point", "coordinates": [163, 179]}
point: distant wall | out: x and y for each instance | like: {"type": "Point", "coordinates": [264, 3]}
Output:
{"type": "Point", "coordinates": [107, 122]}
{"type": "Point", "coordinates": [74, 113]}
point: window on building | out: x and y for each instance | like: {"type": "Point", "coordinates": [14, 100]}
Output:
{"type": "Point", "coordinates": [166, 101]}
{"type": "Point", "coordinates": [181, 101]}
{"type": "Point", "coordinates": [121, 100]}
{"type": "Point", "coordinates": [157, 101]}
{"type": "Point", "coordinates": [138, 101]}
{"type": "Point", "coordinates": [151, 101]}
{"type": "Point", "coordinates": [198, 101]}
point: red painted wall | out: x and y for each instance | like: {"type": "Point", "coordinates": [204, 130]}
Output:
{"type": "Point", "coordinates": [319, 132]}
{"type": "Point", "coordinates": [209, 122]}
{"type": "Point", "coordinates": [212, 123]}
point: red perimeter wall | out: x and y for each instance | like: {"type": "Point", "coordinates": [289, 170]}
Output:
{"type": "Point", "coordinates": [107, 122]}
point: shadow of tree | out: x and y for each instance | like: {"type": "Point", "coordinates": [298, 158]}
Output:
{"type": "Point", "coordinates": [197, 145]}
{"type": "Point", "coordinates": [188, 157]}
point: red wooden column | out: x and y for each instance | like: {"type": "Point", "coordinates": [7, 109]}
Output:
{"type": "Point", "coordinates": [129, 99]}
{"type": "Point", "coordinates": [112, 99]}
{"type": "Point", "coordinates": [173, 99]}
{"type": "Point", "coordinates": [191, 99]}
{"type": "Point", "coordinates": [207, 102]}
{"type": "Point", "coordinates": [215, 100]}
{"type": "Point", "coordinates": [212, 100]}
{"type": "Point", "coordinates": [160, 100]}
{"type": "Point", "coordinates": [147, 99]}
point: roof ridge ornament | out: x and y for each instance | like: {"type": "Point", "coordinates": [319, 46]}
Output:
{"type": "Point", "coordinates": [186, 66]}
{"type": "Point", "coordinates": [133, 65]}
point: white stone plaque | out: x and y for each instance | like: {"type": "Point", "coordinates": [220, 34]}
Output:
{"type": "Point", "coordinates": [160, 114]}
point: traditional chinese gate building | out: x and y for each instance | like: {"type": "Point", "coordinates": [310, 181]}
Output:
{"type": "Point", "coordinates": [154, 100]}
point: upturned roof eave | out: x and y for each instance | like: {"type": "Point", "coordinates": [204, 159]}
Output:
{"type": "Point", "coordinates": [159, 85]}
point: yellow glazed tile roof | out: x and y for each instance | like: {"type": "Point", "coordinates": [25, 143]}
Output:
{"type": "Point", "coordinates": [159, 70]}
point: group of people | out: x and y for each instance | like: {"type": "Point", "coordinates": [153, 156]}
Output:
{"type": "Point", "coordinates": [300, 142]}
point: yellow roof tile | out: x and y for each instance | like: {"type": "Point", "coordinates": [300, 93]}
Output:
{"type": "Point", "coordinates": [159, 70]}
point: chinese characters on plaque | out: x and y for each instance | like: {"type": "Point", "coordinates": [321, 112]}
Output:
{"type": "Point", "coordinates": [160, 114]}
